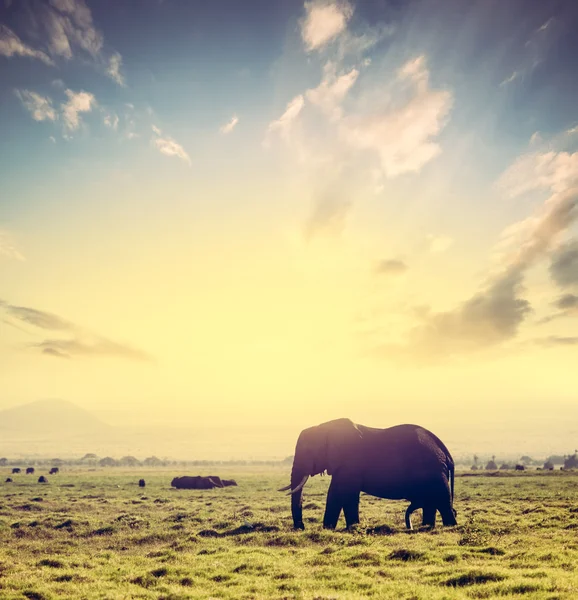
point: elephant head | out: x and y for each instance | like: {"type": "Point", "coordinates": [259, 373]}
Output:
{"type": "Point", "coordinates": [325, 447]}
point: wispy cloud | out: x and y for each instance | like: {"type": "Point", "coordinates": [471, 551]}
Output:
{"type": "Point", "coordinates": [113, 69]}
{"type": "Point", "coordinates": [64, 27]}
{"type": "Point", "coordinates": [111, 121]}
{"type": "Point", "coordinates": [564, 265]}
{"type": "Point", "coordinates": [283, 125]}
{"type": "Point", "coordinates": [511, 78]}
{"type": "Point", "coordinates": [403, 138]}
{"type": "Point", "coordinates": [323, 22]}
{"type": "Point", "coordinates": [390, 267]}
{"type": "Point", "coordinates": [80, 342]}
{"type": "Point", "coordinates": [329, 94]}
{"type": "Point", "coordinates": [7, 247]}
{"type": "Point", "coordinates": [40, 107]}
{"type": "Point", "coordinates": [90, 346]}
{"type": "Point", "coordinates": [230, 125]}
{"type": "Point", "coordinates": [168, 146]}
{"type": "Point", "coordinates": [78, 102]}
{"type": "Point", "coordinates": [12, 45]}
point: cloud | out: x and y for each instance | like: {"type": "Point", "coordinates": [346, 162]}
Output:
{"type": "Point", "coordinates": [113, 69]}
{"type": "Point", "coordinates": [80, 343]}
{"type": "Point", "coordinates": [390, 267]}
{"type": "Point", "coordinates": [78, 102]}
{"type": "Point", "coordinates": [403, 137]}
{"type": "Point", "coordinates": [567, 306]}
{"type": "Point", "coordinates": [284, 123]}
{"type": "Point", "coordinates": [230, 125]}
{"type": "Point", "coordinates": [329, 94]}
{"type": "Point", "coordinates": [55, 352]}
{"type": "Point", "coordinates": [111, 121]}
{"type": "Point", "coordinates": [554, 340]}
{"type": "Point", "coordinates": [564, 265]}
{"type": "Point", "coordinates": [323, 22]}
{"type": "Point", "coordinates": [169, 147]}
{"type": "Point", "coordinates": [70, 23]}
{"type": "Point", "coordinates": [7, 247]}
{"type": "Point", "coordinates": [439, 243]}
{"type": "Point", "coordinates": [65, 26]}
{"type": "Point", "coordinates": [494, 314]}
{"type": "Point", "coordinates": [12, 45]}
{"type": "Point", "coordinates": [329, 213]}
{"type": "Point", "coordinates": [567, 301]}
{"type": "Point", "coordinates": [40, 107]}
{"type": "Point", "coordinates": [511, 78]}
{"type": "Point", "coordinates": [38, 318]}
{"type": "Point", "coordinates": [90, 347]}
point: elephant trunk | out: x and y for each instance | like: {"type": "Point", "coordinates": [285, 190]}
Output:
{"type": "Point", "coordinates": [298, 479]}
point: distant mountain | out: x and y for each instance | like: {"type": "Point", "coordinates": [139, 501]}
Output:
{"type": "Point", "coordinates": [49, 419]}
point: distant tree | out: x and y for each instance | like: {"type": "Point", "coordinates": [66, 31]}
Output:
{"type": "Point", "coordinates": [153, 461]}
{"type": "Point", "coordinates": [288, 460]}
{"type": "Point", "coordinates": [129, 461]}
{"type": "Point", "coordinates": [492, 466]}
{"type": "Point", "coordinates": [89, 456]}
{"type": "Point", "coordinates": [556, 459]}
{"type": "Point", "coordinates": [3, 462]}
{"type": "Point", "coordinates": [548, 466]}
{"type": "Point", "coordinates": [505, 466]}
{"type": "Point", "coordinates": [571, 462]}
{"type": "Point", "coordinates": [57, 462]}
{"type": "Point", "coordinates": [107, 462]}
{"type": "Point", "coordinates": [526, 460]}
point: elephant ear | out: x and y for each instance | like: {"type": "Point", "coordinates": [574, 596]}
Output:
{"type": "Point", "coordinates": [342, 437]}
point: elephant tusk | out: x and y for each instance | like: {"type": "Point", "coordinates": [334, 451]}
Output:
{"type": "Point", "coordinates": [284, 489]}
{"type": "Point", "coordinates": [303, 482]}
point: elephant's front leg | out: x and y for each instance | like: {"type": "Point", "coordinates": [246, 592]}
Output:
{"type": "Point", "coordinates": [351, 508]}
{"type": "Point", "coordinates": [333, 507]}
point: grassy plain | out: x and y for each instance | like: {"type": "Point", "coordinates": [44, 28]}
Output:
{"type": "Point", "coordinates": [98, 535]}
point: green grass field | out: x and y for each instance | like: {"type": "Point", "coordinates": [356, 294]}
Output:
{"type": "Point", "coordinates": [98, 535]}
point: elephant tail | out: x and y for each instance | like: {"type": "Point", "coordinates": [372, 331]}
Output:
{"type": "Point", "coordinates": [452, 469]}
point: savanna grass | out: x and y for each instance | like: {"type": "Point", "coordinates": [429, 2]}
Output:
{"type": "Point", "coordinates": [98, 535]}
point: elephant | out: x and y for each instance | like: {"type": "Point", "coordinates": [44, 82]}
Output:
{"type": "Point", "coordinates": [16, 470]}
{"type": "Point", "coordinates": [8, 479]}
{"type": "Point", "coordinates": [42, 479]}
{"type": "Point", "coordinates": [54, 471]}
{"type": "Point", "coordinates": [229, 482]}
{"type": "Point", "coordinates": [401, 462]}
{"type": "Point", "coordinates": [141, 483]}
{"type": "Point", "coordinates": [196, 483]}
{"type": "Point", "coordinates": [30, 471]}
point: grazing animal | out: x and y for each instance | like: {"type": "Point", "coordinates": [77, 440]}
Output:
{"type": "Point", "coordinates": [196, 483]}
{"type": "Point", "coordinates": [42, 479]}
{"type": "Point", "coordinates": [30, 471]}
{"type": "Point", "coordinates": [520, 468]}
{"type": "Point", "coordinates": [16, 470]}
{"type": "Point", "coordinates": [54, 470]}
{"type": "Point", "coordinates": [9, 480]}
{"type": "Point", "coordinates": [402, 462]}
{"type": "Point", "coordinates": [141, 482]}
{"type": "Point", "coordinates": [228, 482]}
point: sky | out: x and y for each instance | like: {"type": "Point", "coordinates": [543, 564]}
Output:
{"type": "Point", "coordinates": [266, 215]}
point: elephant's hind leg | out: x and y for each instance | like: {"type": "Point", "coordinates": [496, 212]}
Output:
{"type": "Point", "coordinates": [429, 515]}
